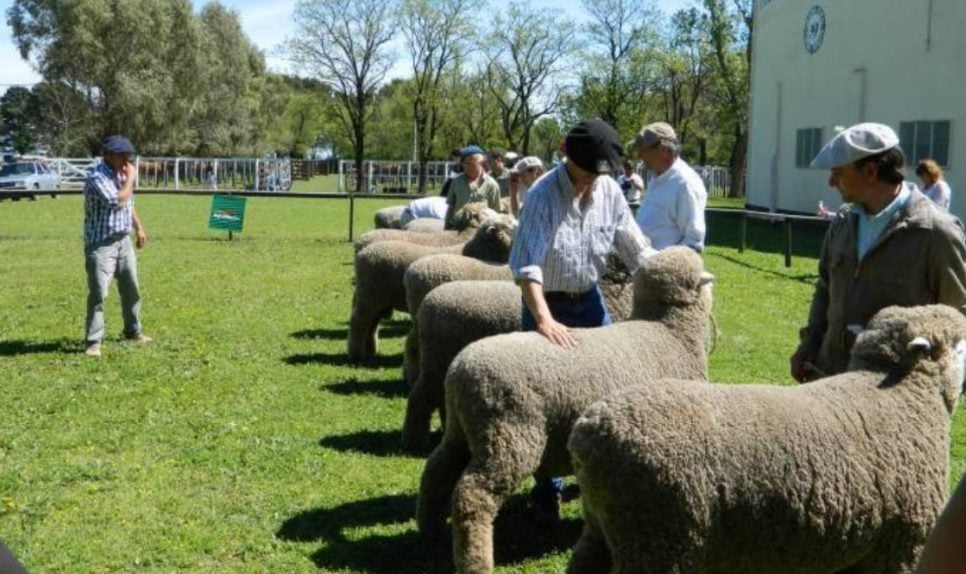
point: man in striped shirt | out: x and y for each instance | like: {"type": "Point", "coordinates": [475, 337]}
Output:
{"type": "Point", "coordinates": [109, 218]}
{"type": "Point", "coordinates": [573, 217]}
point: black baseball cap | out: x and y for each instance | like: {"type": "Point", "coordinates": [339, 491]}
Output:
{"type": "Point", "coordinates": [593, 146]}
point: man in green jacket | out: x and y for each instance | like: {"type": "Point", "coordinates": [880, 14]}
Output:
{"type": "Point", "coordinates": [471, 186]}
{"type": "Point", "coordinates": [890, 245]}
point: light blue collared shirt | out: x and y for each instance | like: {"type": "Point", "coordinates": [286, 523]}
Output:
{"type": "Point", "coordinates": [872, 226]}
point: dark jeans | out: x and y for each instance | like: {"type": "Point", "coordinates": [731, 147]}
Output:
{"type": "Point", "coordinates": [586, 311]}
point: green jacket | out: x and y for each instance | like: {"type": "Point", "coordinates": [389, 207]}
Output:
{"type": "Point", "coordinates": [919, 259]}
{"type": "Point", "coordinates": [488, 191]}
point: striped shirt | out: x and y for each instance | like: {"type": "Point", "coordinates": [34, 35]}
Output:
{"type": "Point", "coordinates": [104, 218]}
{"type": "Point", "coordinates": [564, 247]}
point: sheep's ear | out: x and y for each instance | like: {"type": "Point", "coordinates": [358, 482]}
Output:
{"type": "Point", "coordinates": [919, 344]}
{"type": "Point", "coordinates": [705, 279]}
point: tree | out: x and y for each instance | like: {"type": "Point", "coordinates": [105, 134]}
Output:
{"type": "Point", "coordinates": [618, 34]}
{"type": "Point", "coordinates": [527, 49]}
{"type": "Point", "coordinates": [686, 69]}
{"type": "Point", "coordinates": [727, 31]}
{"type": "Point", "coordinates": [18, 115]}
{"type": "Point", "coordinates": [436, 32]}
{"type": "Point", "coordinates": [344, 43]}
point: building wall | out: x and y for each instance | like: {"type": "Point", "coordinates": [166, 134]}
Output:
{"type": "Point", "coordinates": [880, 60]}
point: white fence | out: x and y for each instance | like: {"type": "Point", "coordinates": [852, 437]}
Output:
{"type": "Point", "coordinates": [383, 176]}
{"type": "Point", "coordinates": [180, 173]}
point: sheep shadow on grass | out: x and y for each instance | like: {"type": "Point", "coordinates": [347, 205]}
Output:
{"type": "Point", "coordinates": [350, 544]}
{"type": "Point", "coordinates": [387, 330]}
{"type": "Point", "coordinates": [17, 347]}
{"type": "Point", "coordinates": [386, 389]}
{"type": "Point", "coordinates": [341, 360]}
{"type": "Point", "coordinates": [372, 442]}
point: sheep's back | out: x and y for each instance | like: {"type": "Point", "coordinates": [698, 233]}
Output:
{"type": "Point", "coordinates": [455, 314]}
{"type": "Point", "coordinates": [380, 269]}
{"type": "Point", "coordinates": [525, 376]}
{"type": "Point", "coordinates": [420, 238]}
{"type": "Point", "coordinates": [761, 470]}
{"type": "Point", "coordinates": [430, 272]}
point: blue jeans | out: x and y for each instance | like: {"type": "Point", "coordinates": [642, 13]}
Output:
{"type": "Point", "coordinates": [586, 311]}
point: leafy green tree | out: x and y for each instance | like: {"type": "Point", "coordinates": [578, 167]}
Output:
{"type": "Point", "coordinates": [437, 32]}
{"type": "Point", "coordinates": [617, 35]}
{"type": "Point", "coordinates": [527, 50]}
{"type": "Point", "coordinates": [345, 45]}
{"type": "Point", "coordinates": [18, 115]}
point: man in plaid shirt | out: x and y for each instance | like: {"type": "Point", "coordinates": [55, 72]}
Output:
{"type": "Point", "coordinates": [109, 217]}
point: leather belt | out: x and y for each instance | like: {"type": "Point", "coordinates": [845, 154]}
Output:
{"type": "Point", "coordinates": [565, 295]}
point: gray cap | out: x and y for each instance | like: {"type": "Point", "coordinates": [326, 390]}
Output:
{"type": "Point", "coordinates": [526, 163]}
{"type": "Point", "coordinates": [653, 134]}
{"type": "Point", "coordinates": [855, 143]}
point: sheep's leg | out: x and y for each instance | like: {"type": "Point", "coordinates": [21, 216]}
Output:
{"type": "Point", "coordinates": [495, 470]}
{"type": "Point", "coordinates": [443, 469]}
{"type": "Point", "coordinates": [419, 412]}
{"type": "Point", "coordinates": [363, 327]}
{"type": "Point", "coordinates": [411, 356]}
{"type": "Point", "coordinates": [591, 555]}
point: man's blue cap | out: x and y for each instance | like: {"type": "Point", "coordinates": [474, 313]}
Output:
{"type": "Point", "coordinates": [471, 150]}
{"type": "Point", "coordinates": [118, 144]}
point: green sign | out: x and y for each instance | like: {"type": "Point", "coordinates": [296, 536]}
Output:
{"type": "Point", "coordinates": [227, 213]}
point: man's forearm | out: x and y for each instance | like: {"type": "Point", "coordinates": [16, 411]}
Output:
{"type": "Point", "coordinates": [535, 301]}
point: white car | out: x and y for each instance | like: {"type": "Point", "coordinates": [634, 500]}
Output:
{"type": "Point", "coordinates": [27, 178]}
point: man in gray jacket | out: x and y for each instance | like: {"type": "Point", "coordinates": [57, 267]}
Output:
{"type": "Point", "coordinates": [889, 246]}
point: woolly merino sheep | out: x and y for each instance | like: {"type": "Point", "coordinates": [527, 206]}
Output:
{"type": "Point", "coordinates": [428, 273]}
{"type": "Point", "coordinates": [512, 399]}
{"type": "Point", "coordinates": [844, 474]}
{"type": "Point", "coordinates": [424, 225]}
{"type": "Point", "coordinates": [462, 312]}
{"type": "Point", "coordinates": [465, 223]}
{"type": "Point", "coordinates": [381, 266]}
{"type": "Point", "coordinates": [388, 217]}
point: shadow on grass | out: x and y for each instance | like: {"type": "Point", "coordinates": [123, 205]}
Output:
{"type": "Point", "coordinates": [341, 360]}
{"type": "Point", "coordinates": [807, 278]}
{"type": "Point", "coordinates": [517, 537]}
{"type": "Point", "coordinates": [376, 443]}
{"type": "Point", "coordinates": [386, 389]}
{"type": "Point", "coordinates": [388, 330]}
{"type": "Point", "coordinates": [18, 347]}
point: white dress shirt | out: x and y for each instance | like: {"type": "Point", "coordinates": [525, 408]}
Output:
{"type": "Point", "coordinates": [672, 212]}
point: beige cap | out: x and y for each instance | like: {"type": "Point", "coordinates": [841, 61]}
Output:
{"type": "Point", "coordinates": [653, 134]}
{"type": "Point", "coordinates": [855, 143]}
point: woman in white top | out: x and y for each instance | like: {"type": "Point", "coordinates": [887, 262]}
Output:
{"type": "Point", "coordinates": [934, 186]}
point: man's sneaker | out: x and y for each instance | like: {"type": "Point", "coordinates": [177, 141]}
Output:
{"type": "Point", "coordinates": [93, 350]}
{"type": "Point", "coordinates": [140, 338]}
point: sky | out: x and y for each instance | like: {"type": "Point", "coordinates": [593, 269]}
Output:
{"type": "Point", "coordinates": [267, 22]}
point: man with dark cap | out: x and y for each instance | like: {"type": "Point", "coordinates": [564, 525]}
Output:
{"type": "Point", "coordinates": [471, 186]}
{"type": "Point", "coordinates": [574, 216]}
{"type": "Point", "coordinates": [672, 211]}
{"type": "Point", "coordinates": [109, 218]}
{"type": "Point", "coordinates": [889, 245]}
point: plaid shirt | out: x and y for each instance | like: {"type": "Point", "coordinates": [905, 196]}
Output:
{"type": "Point", "coordinates": [103, 217]}
{"type": "Point", "coordinates": [565, 248]}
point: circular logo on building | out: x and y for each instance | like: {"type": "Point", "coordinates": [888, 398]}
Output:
{"type": "Point", "coordinates": [814, 31]}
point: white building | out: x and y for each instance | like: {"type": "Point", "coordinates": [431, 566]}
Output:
{"type": "Point", "coordinates": [819, 64]}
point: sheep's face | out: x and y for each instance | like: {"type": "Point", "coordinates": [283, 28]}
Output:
{"type": "Point", "coordinates": [928, 338]}
{"type": "Point", "coordinates": [500, 229]}
{"type": "Point", "coordinates": [674, 276]}
{"type": "Point", "coordinates": [472, 215]}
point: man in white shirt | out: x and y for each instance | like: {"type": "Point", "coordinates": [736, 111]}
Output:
{"type": "Point", "coordinates": [672, 212]}
{"type": "Point", "coordinates": [432, 207]}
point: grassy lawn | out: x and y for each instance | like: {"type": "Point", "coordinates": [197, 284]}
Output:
{"type": "Point", "coordinates": [241, 440]}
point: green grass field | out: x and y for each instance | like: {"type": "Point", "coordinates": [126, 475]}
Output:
{"type": "Point", "coordinates": [241, 440]}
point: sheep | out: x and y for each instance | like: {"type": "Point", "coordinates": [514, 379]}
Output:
{"type": "Point", "coordinates": [844, 474]}
{"type": "Point", "coordinates": [424, 225]}
{"type": "Point", "coordinates": [426, 274]}
{"type": "Point", "coordinates": [379, 277]}
{"type": "Point", "coordinates": [466, 311]}
{"type": "Point", "coordinates": [465, 223]}
{"type": "Point", "coordinates": [388, 217]}
{"type": "Point", "coordinates": [511, 399]}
